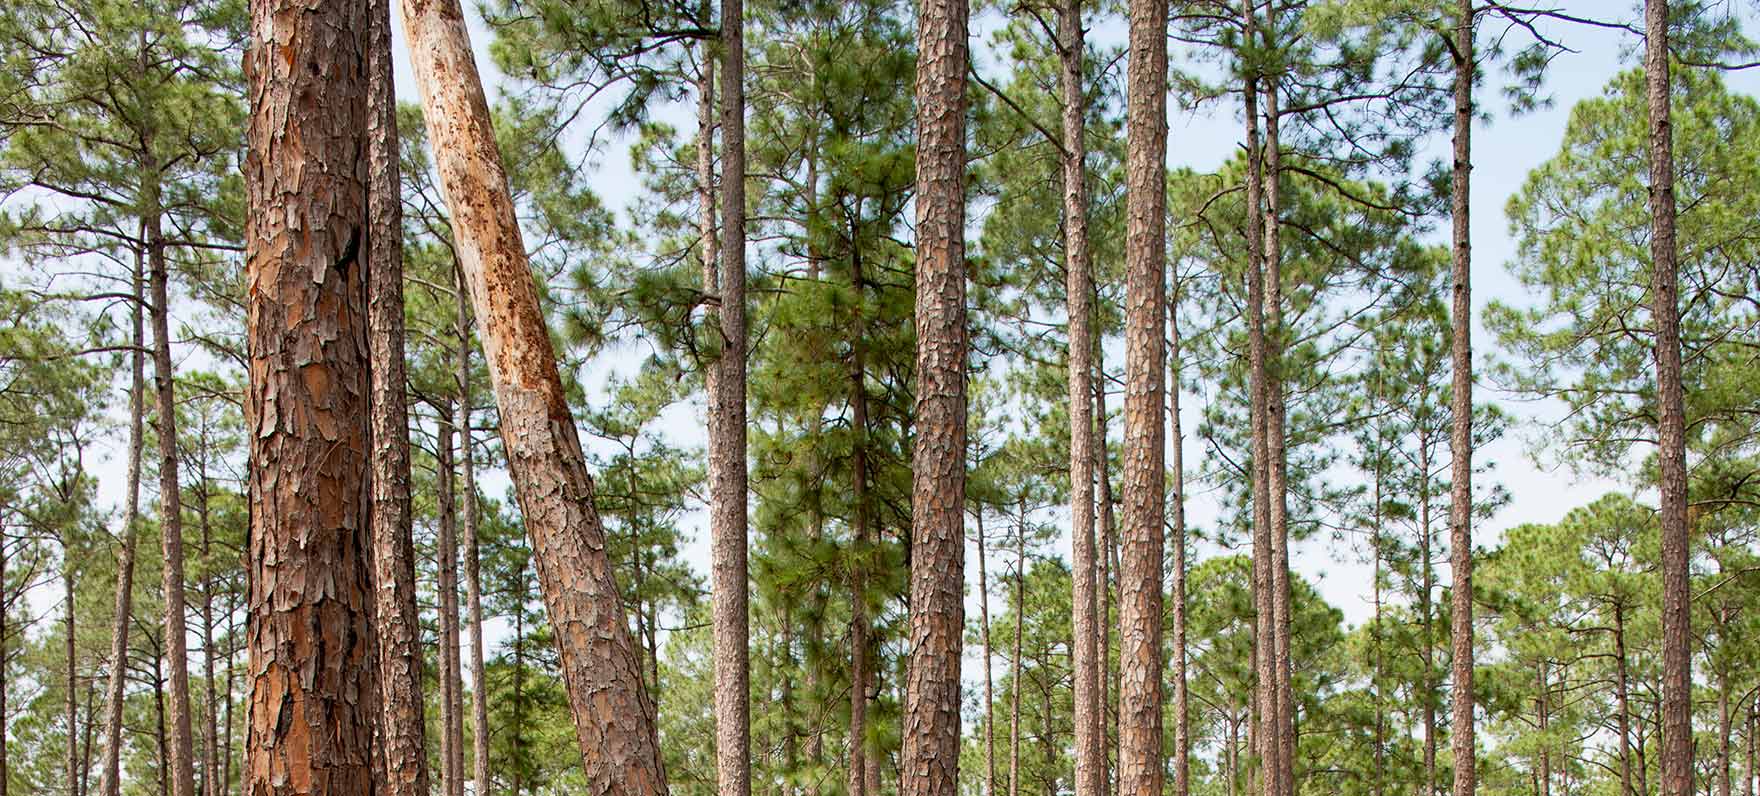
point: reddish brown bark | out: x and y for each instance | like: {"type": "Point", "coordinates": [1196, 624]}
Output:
{"type": "Point", "coordinates": [929, 759]}
{"type": "Point", "coordinates": [601, 670]}
{"type": "Point", "coordinates": [311, 659]}
{"type": "Point", "coordinates": [1677, 664]}
{"type": "Point", "coordinates": [1079, 291]}
{"type": "Point", "coordinates": [727, 434]}
{"type": "Point", "coordinates": [1140, 760]}
{"type": "Point", "coordinates": [1460, 514]}
{"type": "Point", "coordinates": [402, 726]}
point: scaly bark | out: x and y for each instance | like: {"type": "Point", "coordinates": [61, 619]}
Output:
{"type": "Point", "coordinates": [1140, 760]}
{"type": "Point", "coordinates": [311, 658]}
{"type": "Point", "coordinates": [1265, 674]}
{"type": "Point", "coordinates": [601, 671]}
{"type": "Point", "coordinates": [1460, 513]}
{"type": "Point", "coordinates": [110, 777]}
{"type": "Point", "coordinates": [727, 434]}
{"type": "Point", "coordinates": [929, 757]}
{"type": "Point", "coordinates": [402, 726]}
{"type": "Point", "coordinates": [1276, 440]}
{"type": "Point", "coordinates": [1677, 664]}
{"type": "Point", "coordinates": [1090, 749]}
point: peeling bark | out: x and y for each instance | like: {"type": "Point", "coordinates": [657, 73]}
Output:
{"type": "Point", "coordinates": [601, 670]}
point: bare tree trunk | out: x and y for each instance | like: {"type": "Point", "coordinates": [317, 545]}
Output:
{"type": "Point", "coordinates": [1020, 611]}
{"type": "Point", "coordinates": [6, 607]}
{"type": "Point", "coordinates": [1140, 579]}
{"type": "Point", "coordinates": [1090, 731]}
{"type": "Point", "coordinates": [472, 557]}
{"type": "Point", "coordinates": [859, 678]}
{"type": "Point", "coordinates": [1622, 693]}
{"type": "Point", "coordinates": [446, 564]}
{"type": "Point", "coordinates": [1427, 684]}
{"type": "Point", "coordinates": [110, 777]}
{"type": "Point", "coordinates": [306, 410]}
{"type": "Point", "coordinates": [402, 727]}
{"type": "Point", "coordinates": [182, 747]}
{"type": "Point", "coordinates": [1460, 514]}
{"type": "Point", "coordinates": [989, 679]}
{"type": "Point", "coordinates": [71, 703]}
{"type": "Point", "coordinates": [1108, 557]}
{"type": "Point", "coordinates": [211, 739]}
{"type": "Point", "coordinates": [1182, 732]}
{"type": "Point", "coordinates": [929, 757]}
{"type": "Point", "coordinates": [727, 434]}
{"type": "Point", "coordinates": [600, 668]}
{"type": "Point", "coordinates": [1283, 733]}
{"type": "Point", "coordinates": [1264, 643]}
{"type": "Point", "coordinates": [1677, 664]}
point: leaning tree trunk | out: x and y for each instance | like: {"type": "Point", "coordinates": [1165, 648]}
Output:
{"type": "Point", "coordinates": [727, 434]}
{"type": "Point", "coordinates": [1677, 664]}
{"type": "Point", "coordinates": [402, 726]}
{"type": "Point", "coordinates": [1460, 510]}
{"type": "Point", "coordinates": [181, 766]}
{"type": "Point", "coordinates": [601, 671]}
{"type": "Point", "coordinates": [1140, 760]}
{"type": "Point", "coordinates": [929, 757]}
{"type": "Point", "coordinates": [110, 777]}
{"type": "Point", "coordinates": [306, 409]}
{"type": "Point", "coordinates": [1090, 748]}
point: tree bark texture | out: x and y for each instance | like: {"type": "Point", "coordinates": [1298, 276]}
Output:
{"type": "Point", "coordinates": [1460, 513]}
{"type": "Point", "coordinates": [600, 668]}
{"type": "Point", "coordinates": [1139, 579]}
{"type": "Point", "coordinates": [311, 664]}
{"type": "Point", "coordinates": [929, 757]}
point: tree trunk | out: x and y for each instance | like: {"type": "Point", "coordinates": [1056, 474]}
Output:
{"type": "Point", "coordinates": [989, 679]}
{"type": "Point", "coordinates": [1460, 513]}
{"type": "Point", "coordinates": [1622, 692]}
{"type": "Point", "coordinates": [1426, 623]}
{"type": "Point", "coordinates": [1020, 609]}
{"type": "Point", "coordinates": [182, 747]}
{"type": "Point", "coordinates": [727, 434]}
{"type": "Point", "coordinates": [1677, 664]}
{"type": "Point", "coordinates": [929, 757]}
{"type": "Point", "coordinates": [1725, 728]}
{"type": "Point", "coordinates": [311, 657]}
{"type": "Point", "coordinates": [1108, 556]}
{"type": "Point", "coordinates": [1090, 747]}
{"type": "Point", "coordinates": [1140, 580]}
{"type": "Point", "coordinates": [1182, 731]}
{"type": "Point", "coordinates": [446, 564]}
{"type": "Point", "coordinates": [402, 727]}
{"type": "Point", "coordinates": [71, 703]}
{"type": "Point", "coordinates": [1265, 675]}
{"type": "Point", "coordinates": [1284, 730]}
{"type": "Point", "coordinates": [472, 557]}
{"type": "Point", "coordinates": [600, 669]}
{"type": "Point", "coordinates": [6, 604]}
{"type": "Point", "coordinates": [211, 737]}
{"type": "Point", "coordinates": [858, 607]}
{"type": "Point", "coordinates": [110, 777]}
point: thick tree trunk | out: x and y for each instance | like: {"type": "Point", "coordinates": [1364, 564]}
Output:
{"type": "Point", "coordinates": [727, 434]}
{"type": "Point", "coordinates": [110, 777]}
{"type": "Point", "coordinates": [473, 581]}
{"type": "Point", "coordinates": [600, 668]}
{"type": "Point", "coordinates": [1677, 664]}
{"type": "Point", "coordinates": [182, 748]}
{"type": "Point", "coordinates": [1140, 761]}
{"type": "Point", "coordinates": [446, 565]}
{"type": "Point", "coordinates": [1460, 512]}
{"type": "Point", "coordinates": [311, 653]}
{"type": "Point", "coordinates": [1182, 730]}
{"type": "Point", "coordinates": [402, 727]}
{"type": "Point", "coordinates": [929, 757]}
{"type": "Point", "coordinates": [1090, 747]}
